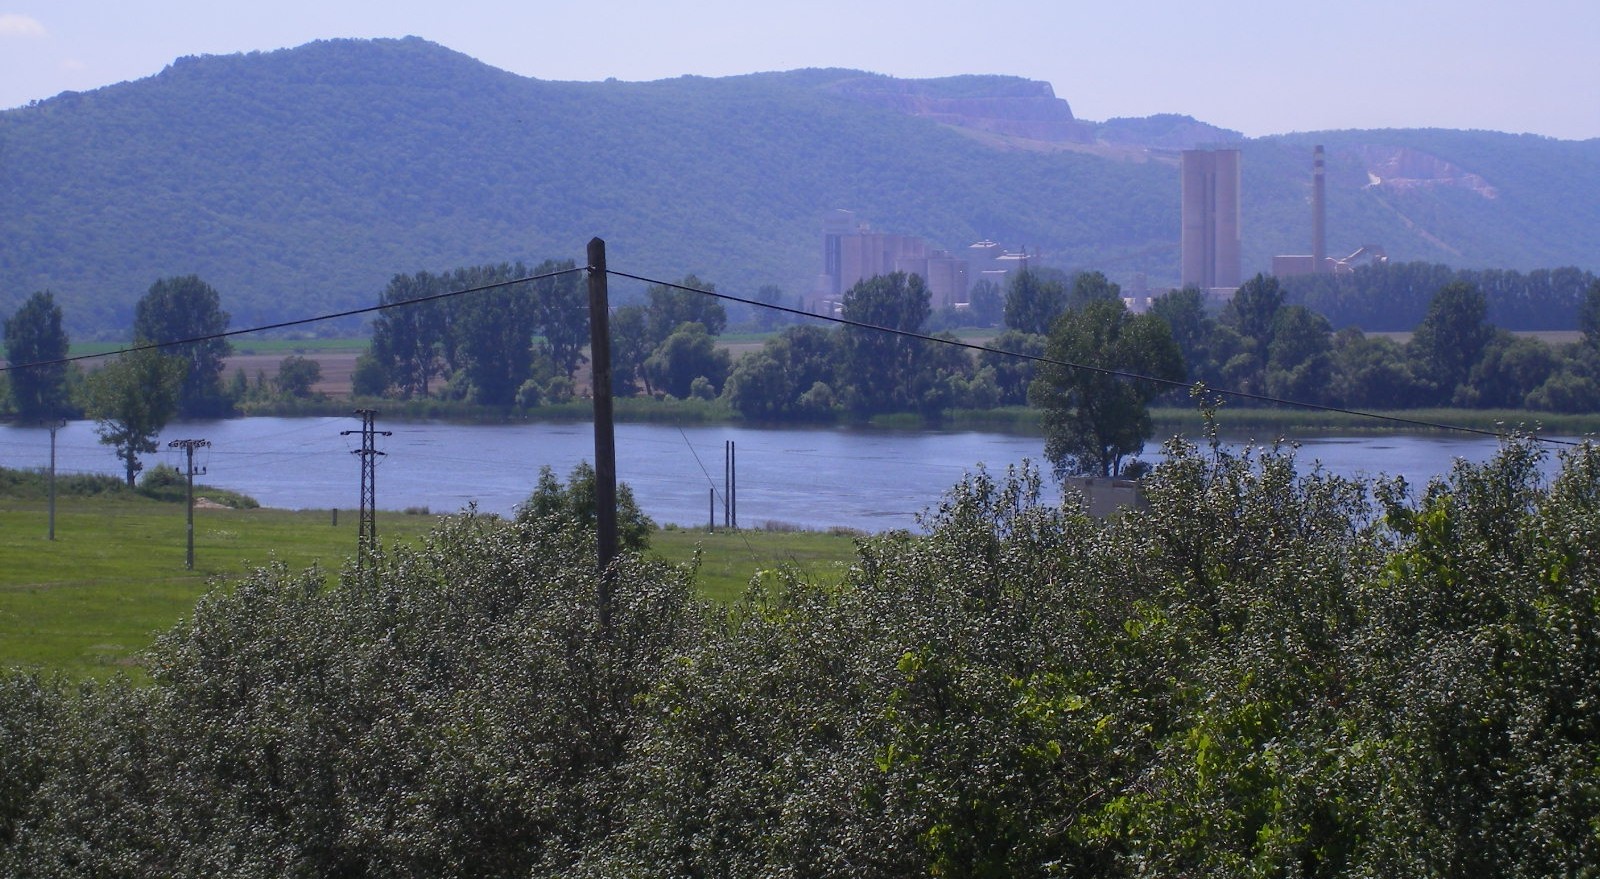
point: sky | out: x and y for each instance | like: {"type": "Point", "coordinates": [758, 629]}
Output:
{"type": "Point", "coordinates": [1256, 66]}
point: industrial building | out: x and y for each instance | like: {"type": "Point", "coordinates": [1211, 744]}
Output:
{"type": "Point", "coordinates": [1318, 262]}
{"type": "Point", "coordinates": [852, 252]}
{"type": "Point", "coordinates": [1210, 241]}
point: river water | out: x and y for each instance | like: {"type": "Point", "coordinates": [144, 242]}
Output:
{"type": "Point", "coordinates": [815, 478]}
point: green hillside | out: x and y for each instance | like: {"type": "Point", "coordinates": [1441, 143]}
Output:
{"type": "Point", "coordinates": [300, 181]}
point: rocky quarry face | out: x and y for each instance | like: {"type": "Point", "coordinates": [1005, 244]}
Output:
{"type": "Point", "coordinates": [1002, 105]}
{"type": "Point", "coordinates": [1027, 114]}
{"type": "Point", "coordinates": [1402, 169]}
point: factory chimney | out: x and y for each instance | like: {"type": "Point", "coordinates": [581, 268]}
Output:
{"type": "Point", "coordinates": [1319, 214]}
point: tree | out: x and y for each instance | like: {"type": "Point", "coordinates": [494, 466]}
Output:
{"type": "Point", "coordinates": [296, 376]}
{"type": "Point", "coordinates": [768, 319]}
{"type": "Point", "coordinates": [670, 308]}
{"type": "Point", "coordinates": [1252, 313]}
{"type": "Point", "coordinates": [1589, 315]}
{"type": "Point", "coordinates": [1034, 300]}
{"type": "Point", "coordinates": [782, 379]}
{"type": "Point", "coordinates": [563, 314]}
{"type": "Point", "coordinates": [1192, 328]}
{"type": "Point", "coordinates": [1372, 372]}
{"type": "Point", "coordinates": [1451, 339]}
{"type": "Point", "coordinates": [1090, 287]}
{"type": "Point", "coordinates": [491, 332]}
{"type": "Point", "coordinates": [34, 336]}
{"type": "Point", "coordinates": [370, 378]}
{"type": "Point", "coordinates": [879, 369]}
{"type": "Point", "coordinates": [630, 347]}
{"type": "Point", "coordinates": [986, 303]}
{"type": "Point", "coordinates": [1012, 375]}
{"type": "Point", "coordinates": [1511, 368]}
{"type": "Point", "coordinates": [1093, 420]}
{"type": "Point", "coordinates": [406, 338]}
{"type": "Point", "coordinates": [132, 398]}
{"type": "Point", "coordinates": [188, 308]}
{"type": "Point", "coordinates": [1299, 360]}
{"type": "Point", "coordinates": [572, 506]}
{"type": "Point", "coordinates": [689, 353]}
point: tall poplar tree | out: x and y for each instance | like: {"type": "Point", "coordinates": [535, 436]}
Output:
{"type": "Point", "coordinates": [34, 336]}
{"type": "Point", "coordinates": [183, 308]}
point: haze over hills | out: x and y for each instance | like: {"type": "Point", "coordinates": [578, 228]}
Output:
{"type": "Point", "coordinates": [299, 181]}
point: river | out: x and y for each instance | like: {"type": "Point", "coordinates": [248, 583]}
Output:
{"type": "Point", "coordinates": [814, 478]}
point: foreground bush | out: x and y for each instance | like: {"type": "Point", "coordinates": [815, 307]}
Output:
{"type": "Point", "coordinates": [454, 713]}
{"type": "Point", "coordinates": [1269, 671]}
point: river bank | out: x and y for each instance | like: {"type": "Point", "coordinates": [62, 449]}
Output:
{"type": "Point", "coordinates": [865, 478]}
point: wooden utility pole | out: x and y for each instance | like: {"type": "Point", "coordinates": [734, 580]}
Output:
{"type": "Point", "coordinates": [605, 442]}
{"type": "Point", "coordinates": [188, 446]}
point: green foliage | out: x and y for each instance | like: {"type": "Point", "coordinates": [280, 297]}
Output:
{"type": "Point", "coordinates": [878, 371]}
{"type": "Point", "coordinates": [1265, 671]}
{"type": "Point", "coordinates": [301, 180]}
{"type": "Point", "coordinates": [1299, 361]}
{"type": "Point", "coordinates": [790, 378]}
{"type": "Point", "coordinates": [986, 303]}
{"type": "Point", "coordinates": [1252, 314]}
{"type": "Point", "coordinates": [181, 308]}
{"type": "Point", "coordinates": [35, 484]}
{"type": "Point", "coordinates": [165, 483]}
{"type": "Point", "coordinates": [1373, 371]}
{"type": "Point", "coordinates": [33, 335]}
{"type": "Point", "coordinates": [406, 338]}
{"type": "Point", "coordinates": [131, 399]}
{"type": "Point", "coordinates": [1092, 418]}
{"type": "Point", "coordinates": [670, 308]}
{"type": "Point", "coordinates": [1450, 340]}
{"type": "Point", "coordinates": [370, 377]}
{"type": "Point", "coordinates": [684, 357]}
{"type": "Point", "coordinates": [571, 507]}
{"type": "Point", "coordinates": [1395, 295]}
{"type": "Point", "coordinates": [1034, 299]}
{"type": "Point", "coordinates": [268, 747]}
{"type": "Point", "coordinates": [296, 376]}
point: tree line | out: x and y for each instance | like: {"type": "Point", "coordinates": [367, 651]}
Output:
{"type": "Point", "coordinates": [1390, 297]}
{"type": "Point", "coordinates": [133, 396]}
{"type": "Point", "coordinates": [1260, 342]}
{"type": "Point", "coordinates": [1266, 671]}
{"type": "Point", "coordinates": [517, 339]}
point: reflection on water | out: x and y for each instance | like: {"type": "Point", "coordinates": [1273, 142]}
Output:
{"type": "Point", "coordinates": [872, 480]}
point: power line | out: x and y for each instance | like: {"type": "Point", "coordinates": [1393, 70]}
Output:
{"type": "Point", "coordinates": [971, 346]}
{"type": "Point", "coordinates": [150, 346]}
{"type": "Point", "coordinates": [1116, 373]}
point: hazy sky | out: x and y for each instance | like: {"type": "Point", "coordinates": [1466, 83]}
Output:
{"type": "Point", "coordinates": [1262, 67]}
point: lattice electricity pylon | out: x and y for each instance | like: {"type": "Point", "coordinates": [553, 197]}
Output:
{"type": "Point", "coordinates": [367, 534]}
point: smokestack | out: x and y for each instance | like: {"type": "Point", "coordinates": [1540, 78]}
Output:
{"type": "Point", "coordinates": [1319, 214]}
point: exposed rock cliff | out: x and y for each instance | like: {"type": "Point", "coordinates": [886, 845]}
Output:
{"type": "Point", "coordinates": [1004, 105]}
{"type": "Point", "coordinates": [1402, 169]}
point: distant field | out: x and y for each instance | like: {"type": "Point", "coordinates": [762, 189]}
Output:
{"type": "Point", "coordinates": [88, 603]}
{"type": "Point", "coordinates": [1549, 337]}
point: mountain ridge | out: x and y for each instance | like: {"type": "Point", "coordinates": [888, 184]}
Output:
{"type": "Point", "coordinates": [300, 180]}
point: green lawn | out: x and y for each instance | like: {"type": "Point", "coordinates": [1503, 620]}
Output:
{"type": "Point", "coordinates": [88, 603]}
{"type": "Point", "coordinates": [729, 559]}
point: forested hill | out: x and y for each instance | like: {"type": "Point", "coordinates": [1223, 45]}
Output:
{"type": "Point", "coordinates": [300, 181]}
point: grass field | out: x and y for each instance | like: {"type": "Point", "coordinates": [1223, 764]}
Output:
{"type": "Point", "coordinates": [88, 603]}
